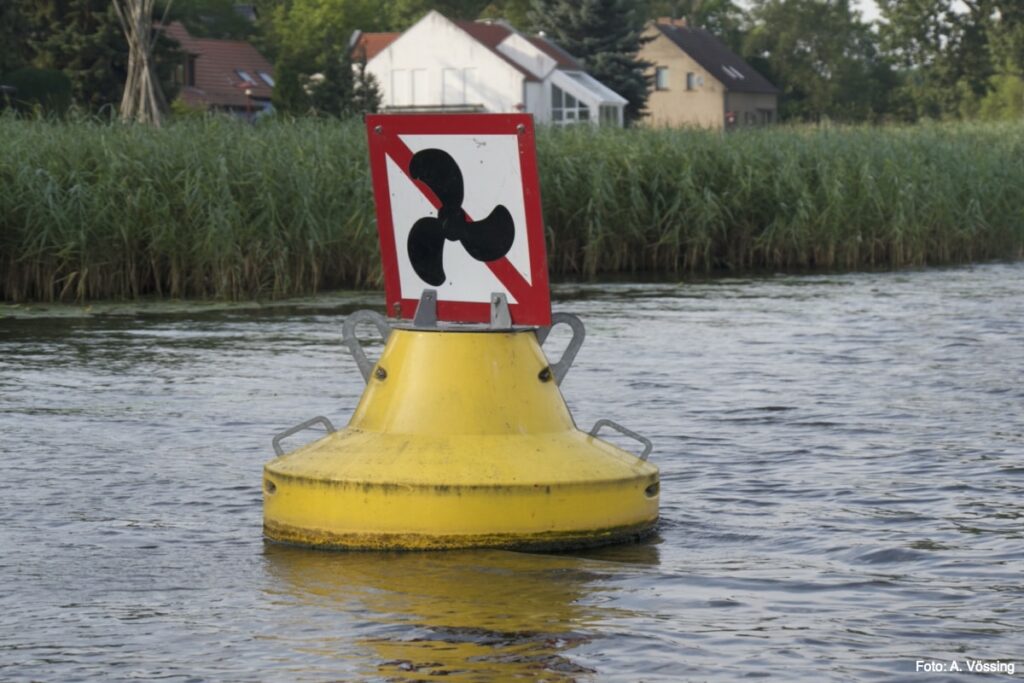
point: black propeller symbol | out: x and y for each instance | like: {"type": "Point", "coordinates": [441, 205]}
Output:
{"type": "Point", "coordinates": [485, 240]}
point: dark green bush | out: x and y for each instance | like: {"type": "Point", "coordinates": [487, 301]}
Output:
{"type": "Point", "coordinates": [46, 91]}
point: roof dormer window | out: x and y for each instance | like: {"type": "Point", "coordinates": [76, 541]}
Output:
{"type": "Point", "coordinates": [735, 73]}
{"type": "Point", "coordinates": [244, 75]}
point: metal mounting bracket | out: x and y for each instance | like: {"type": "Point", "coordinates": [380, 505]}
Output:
{"type": "Point", "coordinates": [501, 317]}
{"type": "Point", "coordinates": [426, 311]}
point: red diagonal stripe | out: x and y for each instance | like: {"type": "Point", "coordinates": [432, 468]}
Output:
{"type": "Point", "coordinates": [502, 268]}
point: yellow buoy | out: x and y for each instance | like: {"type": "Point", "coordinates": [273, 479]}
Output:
{"type": "Point", "coordinates": [461, 439]}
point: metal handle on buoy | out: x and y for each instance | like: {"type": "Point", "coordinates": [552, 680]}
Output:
{"type": "Point", "coordinates": [319, 419]}
{"type": "Point", "coordinates": [560, 369]}
{"type": "Point", "coordinates": [349, 338]}
{"type": "Point", "coordinates": [648, 446]}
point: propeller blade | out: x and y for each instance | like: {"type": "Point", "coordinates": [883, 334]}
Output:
{"type": "Point", "coordinates": [491, 238]}
{"type": "Point", "coordinates": [438, 171]}
{"type": "Point", "coordinates": [426, 250]}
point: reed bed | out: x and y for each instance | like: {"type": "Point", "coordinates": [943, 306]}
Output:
{"type": "Point", "coordinates": [216, 208]}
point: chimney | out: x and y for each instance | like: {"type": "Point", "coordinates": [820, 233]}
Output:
{"type": "Point", "coordinates": [672, 22]}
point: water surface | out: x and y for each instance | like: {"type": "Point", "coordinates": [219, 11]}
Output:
{"type": "Point", "coordinates": [842, 476]}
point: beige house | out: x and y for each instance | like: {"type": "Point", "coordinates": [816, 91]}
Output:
{"type": "Point", "coordinates": [698, 81]}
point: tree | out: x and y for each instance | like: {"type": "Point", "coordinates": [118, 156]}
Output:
{"type": "Point", "coordinates": [330, 85]}
{"type": "Point", "coordinates": [212, 18]}
{"type": "Point", "coordinates": [606, 36]}
{"type": "Point", "coordinates": [14, 49]}
{"type": "Point", "coordinates": [1006, 36]}
{"type": "Point", "coordinates": [366, 94]}
{"type": "Point", "coordinates": [303, 37]}
{"type": "Point", "coordinates": [943, 47]}
{"type": "Point", "coordinates": [823, 56]}
{"type": "Point", "coordinates": [1005, 100]}
{"type": "Point", "coordinates": [401, 14]}
{"type": "Point", "coordinates": [84, 40]}
{"type": "Point", "coordinates": [722, 18]}
{"type": "Point", "coordinates": [515, 12]}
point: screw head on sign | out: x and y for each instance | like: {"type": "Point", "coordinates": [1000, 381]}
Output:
{"type": "Point", "coordinates": [378, 129]}
{"type": "Point", "coordinates": [544, 375]}
{"type": "Point", "coordinates": [381, 374]}
{"type": "Point", "coordinates": [520, 129]}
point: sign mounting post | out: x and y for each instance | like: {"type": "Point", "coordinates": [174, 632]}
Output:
{"type": "Point", "coordinates": [458, 211]}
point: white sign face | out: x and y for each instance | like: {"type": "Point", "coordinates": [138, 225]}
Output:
{"type": "Point", "coordinates": [491, 177]}
{"type": "Point", "coordinates": [458, 210]}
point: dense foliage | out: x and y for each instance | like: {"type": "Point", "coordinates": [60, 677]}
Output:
{"type": "Point", "coordinates": [80, 38]}
{"type": "Point", "coordinates": [923, 59]}
{"type": "Point", "coordinates": [826, 62]}
{"type": "Point", "coordinates": [606, 36]}
{"type": "Point", "coordinates": [215, 207]}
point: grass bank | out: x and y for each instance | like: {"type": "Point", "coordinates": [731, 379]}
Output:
{"type": "Point", "coordinates": [219, 209]}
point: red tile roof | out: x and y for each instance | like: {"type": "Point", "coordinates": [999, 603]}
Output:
{"type": "Point", "coordinates": [217, 67]}
{"type": "Point", "coordinates": [491, 35]}
{"type": "Point", "coordinates": [561, 57]}
{"type": "Point", "coordinates": [370, 44]}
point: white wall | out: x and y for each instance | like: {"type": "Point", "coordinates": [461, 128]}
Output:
{"type": "Point", "coordinates": [412, 70]}
{"type": "Point", "coordinates": [537, 101]}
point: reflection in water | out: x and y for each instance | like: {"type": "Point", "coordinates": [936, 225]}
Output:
{"type": "Point", "coordinates": [487, 615]}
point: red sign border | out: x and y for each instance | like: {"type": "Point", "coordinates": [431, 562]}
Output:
{"type": "Point", "coordinates": [382, 131]}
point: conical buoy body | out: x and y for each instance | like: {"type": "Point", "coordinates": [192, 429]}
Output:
{"type": "Point", "coordinates": [461, 439]}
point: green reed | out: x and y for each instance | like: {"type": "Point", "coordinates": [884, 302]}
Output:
{"type": "Point", "coordinates": [216, 208]}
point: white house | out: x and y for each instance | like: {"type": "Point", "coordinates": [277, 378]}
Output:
{"type": "Point", "coordinates": [443, 65]}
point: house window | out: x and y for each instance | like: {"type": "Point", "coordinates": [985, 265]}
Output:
{"type": "Point", "coordinates": [608, 115]}
{"type": "Point", "coordinates": [419, 93]}
{"type": "Point", "coordinates": [691, 81]}
{"type": "Point", "coordinates": [453, 87]}
{"type": "Point", "coordinates": [185, 72]}
{"type": "Point", "coordinates": [267, 78]}
{"type": "Point", "coordinates": [661, 78]}
{"type": "Point", "coordinates": [565, 108]}
{"type": "Point", "coordinates": [244, 75]}
{"type": "Point", "coordinates": [401, 88]}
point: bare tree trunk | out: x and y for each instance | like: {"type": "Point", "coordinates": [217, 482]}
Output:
{"type": "Point", "coordinates": [143, 101]}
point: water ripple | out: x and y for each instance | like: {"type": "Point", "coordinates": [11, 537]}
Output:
{"type": "Point", "coordinates": [842, 489]}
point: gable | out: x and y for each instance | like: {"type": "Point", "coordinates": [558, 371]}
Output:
{"type": "Point", "coordinates": [433, 28]}
{"type": "Point", "coordinates": [491, 35]}
{"type": "Point", "coordinates": [717, 59]}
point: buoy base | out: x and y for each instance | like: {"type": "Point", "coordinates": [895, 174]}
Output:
{"type": "Point", "coordinates": [552, 541]}
{"type": "Point", "coordinates": [357, 489]}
